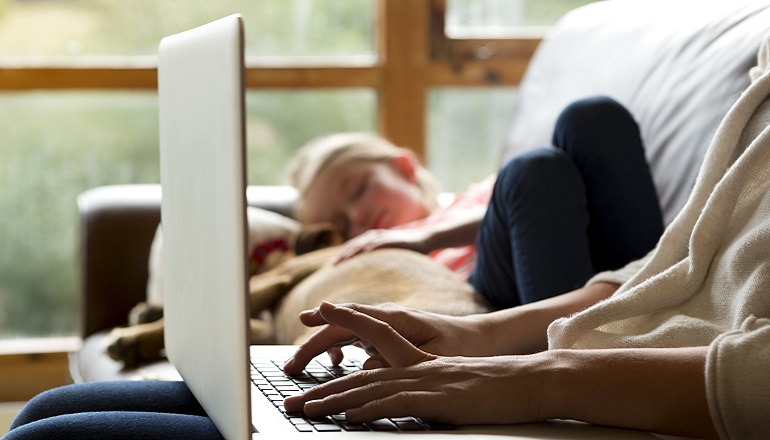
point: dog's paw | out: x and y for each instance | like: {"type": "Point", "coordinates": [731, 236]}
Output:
{"type": "Point", "coordinates": [136, 345]}
{"type": "Point", "coordinates": [317, 236]}
{"type": "Point", "coordinates": [122, 346]}
{"type": "Point", "coordinates": [261, 332]}
{"type": "Point", "coordinates": [145, 312]}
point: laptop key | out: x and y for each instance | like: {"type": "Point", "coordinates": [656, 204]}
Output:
{"type": "Point", "coordinates": [409, 425]}
{"type": "Point", "coordinates": [287, 389]}
{"type": "Point", "coordinates": [382, 425]}
{"type": "Point", "coordinates": [304, 428]}
{"type": "Point", "coordinates": [327, 428]}
{"type": "Point", "coordinates": [322, 377]}
{"type": "Point", "coordinates": [302, 378]}
{"type": "Point", "coordinates": [436, 426]}
{"type": "Point", "coordinates": [355, 427]}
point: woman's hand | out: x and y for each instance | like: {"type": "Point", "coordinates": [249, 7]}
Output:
{"type": "Point", "coordinates": [457, 390]}
{"type": "Point", "coordinates": [430, 332]}
{"type": "Point", "coordinates": [454, 390]}
{"type": "Point", "coordinates": [412, 239]}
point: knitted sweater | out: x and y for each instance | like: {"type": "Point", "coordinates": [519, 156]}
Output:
{"type": "Point", "coordinates": [707, 283]}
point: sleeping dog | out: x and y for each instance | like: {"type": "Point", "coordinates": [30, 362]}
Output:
{"type": "Point", "coordinates": [301, 280]}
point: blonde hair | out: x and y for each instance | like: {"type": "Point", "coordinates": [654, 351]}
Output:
{"type": "Point", "coordinates": [344, 148]}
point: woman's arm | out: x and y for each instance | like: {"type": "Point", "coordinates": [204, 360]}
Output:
{"type": "Point", "coordinates": [518, 330]}
{"type": "Point", "coordinates": [523, 329]}
{"type": "Point", "coordinates": [659, 390]}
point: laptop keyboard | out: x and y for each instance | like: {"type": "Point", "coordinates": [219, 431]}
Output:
{"type": "Point", "coordinates": [267, 376]}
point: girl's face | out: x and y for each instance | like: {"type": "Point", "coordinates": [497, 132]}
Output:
{"type": "Point", "coordinates": [356, 197]}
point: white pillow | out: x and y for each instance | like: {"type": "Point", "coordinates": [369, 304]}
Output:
{"type": "Point", "coordinates": [268, 232]}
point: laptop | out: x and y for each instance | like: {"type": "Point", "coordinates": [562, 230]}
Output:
{"type": "Point", "coordinates": [202, 160]}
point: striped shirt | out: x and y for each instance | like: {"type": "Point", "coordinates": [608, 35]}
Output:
{"type": "Point", "coordinates": [461, 260]}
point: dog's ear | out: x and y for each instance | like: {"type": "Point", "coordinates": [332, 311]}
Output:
{"type": "Point", "coordinates": [316, 236]}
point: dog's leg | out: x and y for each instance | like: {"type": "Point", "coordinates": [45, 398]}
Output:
{"type": "Point", "coordinates": [136, 344]}
{"type": "Point", "coordinates": [264, 291]}
{"type": "Point", "coordinates": [145, 312]}
{"type": "Point", "coordinates": [261, 332]}
{"type": "Point", "coordinates": [267, 288]}
{"type": "Point", "coordinates": [316, 236]}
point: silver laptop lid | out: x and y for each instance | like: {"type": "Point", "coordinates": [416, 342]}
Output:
{"type": "Point", "coordinates": [202, 148]}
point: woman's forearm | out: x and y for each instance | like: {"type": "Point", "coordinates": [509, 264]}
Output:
{"type": "Point", "coordinates": [522, 329]}
{"type": "Point", "coordinates": [658, 390]}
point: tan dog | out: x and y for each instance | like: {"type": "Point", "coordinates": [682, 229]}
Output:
{"type": "Point", "coordinates": [302, 282]}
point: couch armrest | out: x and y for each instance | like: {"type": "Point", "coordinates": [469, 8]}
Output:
{"type": "Point", "coordinates": [117, 226]}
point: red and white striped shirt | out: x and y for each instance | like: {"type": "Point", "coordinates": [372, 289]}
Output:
{"type": "Point", "coordinates": [460, 260]}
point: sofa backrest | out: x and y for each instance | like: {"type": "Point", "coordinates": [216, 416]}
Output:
{"type": "Point", "coordinates": [678, 65]}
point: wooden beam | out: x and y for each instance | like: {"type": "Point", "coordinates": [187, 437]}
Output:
{"type": "Point", "coordinates": [30, 366]}
{"type": "Point", "coordinates": [404, 46]}
{"type": "Point", "coordinates": [31, 78]}
{"type": "Point", "coordinates": [26, 375]}
{"type": "Point", "coordinates": [59, 78]}
{"type": "Point", "coordinates": [476, 73]}
{"type": "Point", "coordinates": [318, 77]}
{"type": "Point", "coordinates": [494, 50]}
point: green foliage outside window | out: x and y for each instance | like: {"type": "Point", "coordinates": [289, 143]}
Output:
{"type": "Point", "coordinates": [109, 27]}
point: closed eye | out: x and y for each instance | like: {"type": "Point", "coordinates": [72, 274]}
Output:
{"type": "Point", "coordinates": [360, 187]}
{"type": "Point", "coordinates": [342, 224]}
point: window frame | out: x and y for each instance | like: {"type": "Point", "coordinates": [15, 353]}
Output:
{"type": "Point", "coordinates": [415, 55]}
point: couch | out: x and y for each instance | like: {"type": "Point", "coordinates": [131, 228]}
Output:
{"type": "Point", "coordinates": [678, 65]}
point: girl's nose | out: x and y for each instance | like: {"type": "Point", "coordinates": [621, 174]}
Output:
{"type": "Point", "coordinates": [358, 218]}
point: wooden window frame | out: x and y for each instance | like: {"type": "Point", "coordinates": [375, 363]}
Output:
{"type": "Point", "coordinates": [415, 55]}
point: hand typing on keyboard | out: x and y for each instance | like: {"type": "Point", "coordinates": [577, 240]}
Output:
{"type": "Point", "coordinates": [431, 333]}
{"type": "Point", "coordinates": [268, 378]}
{"type": "Point", "coordinates": [454, 390]}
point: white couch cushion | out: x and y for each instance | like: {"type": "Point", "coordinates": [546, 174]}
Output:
{"type": "Point", "coordinates": [678, 65]}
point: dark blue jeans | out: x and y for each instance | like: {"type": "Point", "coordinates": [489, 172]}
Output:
{"type": "Point", "coordinates": [560, 214]}
{"type": "Point", "coordinates": [114, 411]}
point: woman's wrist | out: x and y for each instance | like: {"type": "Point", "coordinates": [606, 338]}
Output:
{"type": "Point", "coordinates": [659, 390]}
{"type": "Point", "coordinates": [551, 366]}
{"type": "Point", "coordinates": [506, 332]}
{"type": "Point", "coordinates": [523, 329]}
{"type": "Point", "coordinates": [558, 368]}
{"type": "Point", "coordinates": [478, 337]}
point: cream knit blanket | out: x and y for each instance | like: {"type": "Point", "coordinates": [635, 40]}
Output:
{"type": "Point", "coordinates": [707, 283]}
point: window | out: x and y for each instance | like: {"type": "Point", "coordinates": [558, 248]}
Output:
{"type": "Point", "coordinates": [504, 18]}
{"type": "Point", "coordinates": [78, 102]}
{"type": "Point", "coordinates": [54, 145]}
{"type": "Point", "coordinates": [97, 28]}
{"type": "Point", "coordinates": [63, 142]}
{"type": "Point", "coordinates": [80, 110]}
{"type": "Point", "coordinates": [466, 131]}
